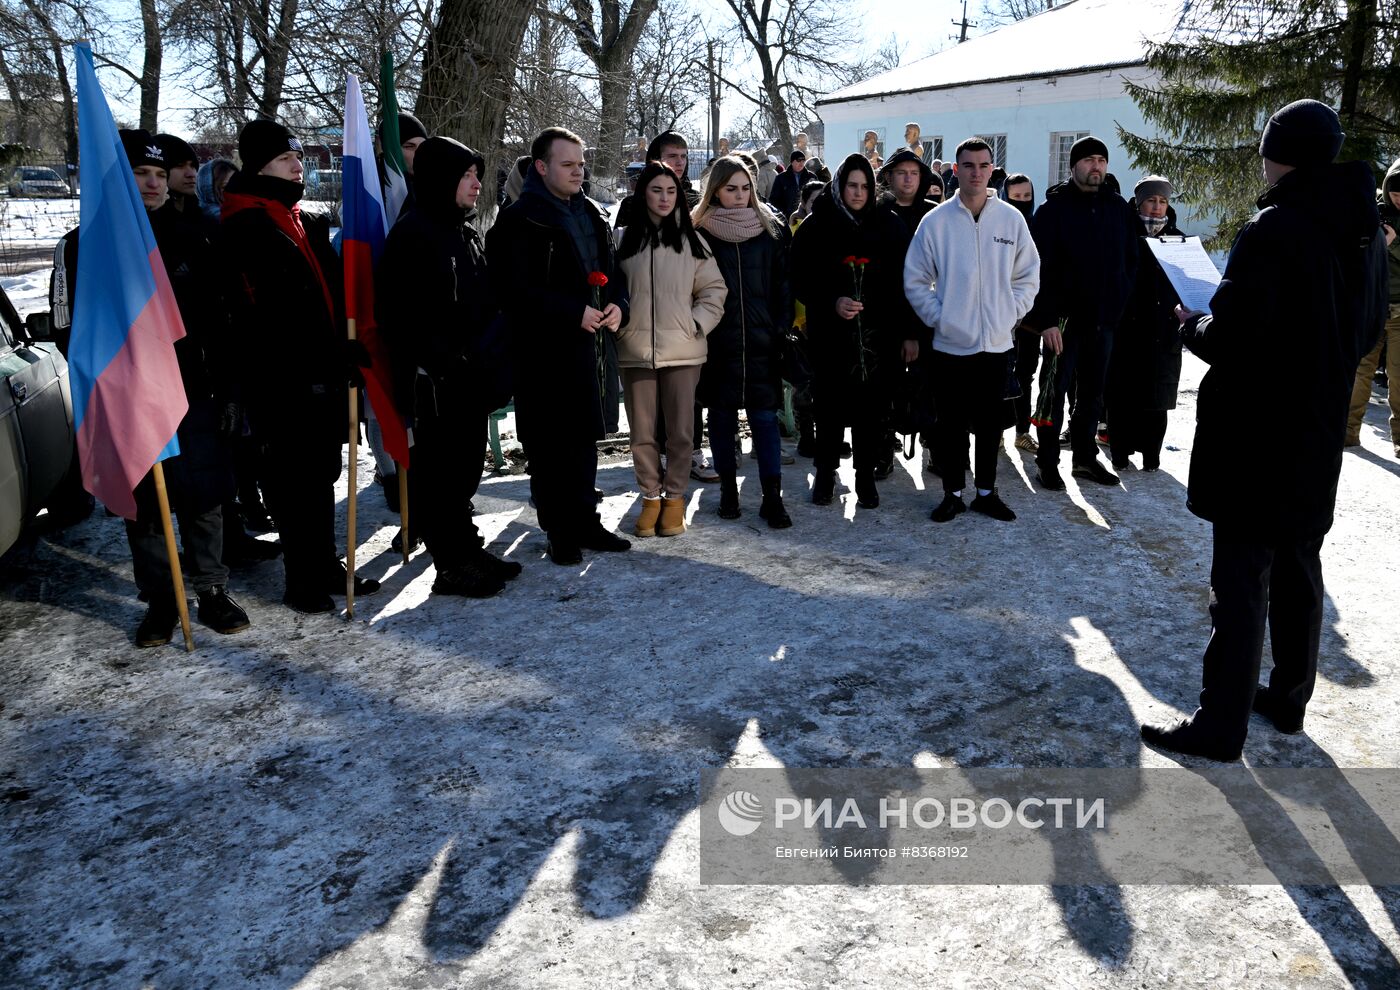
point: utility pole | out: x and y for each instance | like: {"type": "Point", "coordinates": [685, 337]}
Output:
{"type": "Point", "coordinates": [964, 24]}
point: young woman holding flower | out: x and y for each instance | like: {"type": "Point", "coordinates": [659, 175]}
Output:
{"type": "Point", "coordinates": [848, 271]}
{"type": "Point", "coordinates": [749, 243]}
{"type": "Point", "coordinates": [677, 298]}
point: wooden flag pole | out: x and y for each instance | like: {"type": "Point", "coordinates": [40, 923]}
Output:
{"type": "Point", "coordinates": [352, 491]}
{"type": "Point", "coordinates": [403, 511]}
{"type": "Point", "coordinates": [176, 577]}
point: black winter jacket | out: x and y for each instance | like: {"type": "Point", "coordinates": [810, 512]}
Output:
{"type": "Point", "coordinates": [1146, 364]}
{"type": "Point", "coordinates": [543, 289]}
{"type": "Point", "coordinates": [1302, 299]}
{"type": "Point", "coordinates": [437, 308]}
{"type": "Point", "coordinates": [821, 276]}
{"type": "Point", "coordinates": [1088, 258]}
{"type": "Point", "coordinates": [743, 368]}
{"type": "Point", "coordinates": [292, 369]}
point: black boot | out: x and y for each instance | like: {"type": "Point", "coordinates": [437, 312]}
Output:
{"type": "Point", "coordinates": [824, 487]}
{"type": "Point", "coordinates": [596, 537]}
{"type": "Point", "coordinates": [772, 508]}
{"type": "Point", "coordinates": [220, 612]}
{"type": "Point", "coordinates": [867, 495]}
{"type": "Point", "coordinates": [472, 578]}
{"type": "Point", "coordinates": [158, 626]}
{"type": "Point", "coordinates": [806, 433]}
{"type": "Point", "coordinates": [728, 495]}
{"type": "Point", "coordinates": [506, 570]}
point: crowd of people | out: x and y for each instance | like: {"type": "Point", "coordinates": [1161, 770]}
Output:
{"type": "Point", "coordinates": [879, 305]}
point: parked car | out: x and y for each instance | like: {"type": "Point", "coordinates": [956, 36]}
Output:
{"type": "Point", "coordinates": [37, 445]}
{"type": "Point", "coordinates": [33, 180]}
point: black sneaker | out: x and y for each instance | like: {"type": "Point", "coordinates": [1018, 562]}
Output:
{"type": "Point", "coordinates": [1186, 736]}
{"type": "Point", "coordinates": [992, 505]}
{"type": "Point", "coordinates": [396, 544]}
{"type": "Point", "coordinates": [221, 613]}
{"type": "Point", "coordinates": [158, 625]}
{"type": "Point", "coordinates": [883, 469]}
{"type": "Point", "coordinates": [506, 570]}
{"type": "Point", "coordinates": [472, 579]}
{"type": "Point", "coordinates": [1284, 719]}
{"type": "Point", "coordinates": [595, 537]}
{"type": "Point", "coordinates": [1094, 471]}
{"type": "Point", "coordinates": [824, 488]}
{"type": "Point", "coordinates": [563, 552]}
{"type": "Point", "coordinates": [1049, 478]}
{"type": "Point", "coordinates": [948, 508]}
{"type": "Point", "coordinates": [336, 582]}
{"type": "Point", "coordinates": [309, 601]}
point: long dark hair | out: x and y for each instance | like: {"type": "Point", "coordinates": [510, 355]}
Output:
{"type": "Point", "coordinates": [675, 231]}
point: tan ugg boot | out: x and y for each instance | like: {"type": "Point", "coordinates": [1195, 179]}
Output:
{"type": "Point", "coordinates": [672, 517]}
{"type": "Point", "coordinates": [646, 522]}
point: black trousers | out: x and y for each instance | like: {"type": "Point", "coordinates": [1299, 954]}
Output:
{"type": "Point", "coordinates": [563, 473]}
{"type": "Point", "coordinates": [1252, 583]}
{"type": "Point", "coordinates": [201, 546]}
{"type": "Point", "coordinates": [832, 411]}
{"type": "Point", "coordinates": [299, 481]}
{"type": "Point", "coordinates": [1085, 362]}
{"type": "Point", "coordinates": [971, 389]}
{"type": "Point", "coordinates": [1137, 430]}
{"type": "Point", "coordinates": [444, 473]}
{"type": "Point", "coordinates": [1027, 355]}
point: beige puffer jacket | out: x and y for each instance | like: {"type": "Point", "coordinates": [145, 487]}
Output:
{"type": "Point", "coordinates": [676, 299]}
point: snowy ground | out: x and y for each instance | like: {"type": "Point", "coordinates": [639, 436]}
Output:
{"type": "Point", "coordinates": [502, 793]}
{"type": "Point", "coordinates": [29, 229]}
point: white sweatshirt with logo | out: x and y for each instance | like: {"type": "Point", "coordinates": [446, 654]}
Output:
{"type": "Point", "coordinates": [970, 278]}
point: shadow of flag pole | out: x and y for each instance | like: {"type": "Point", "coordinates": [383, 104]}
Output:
{"type": "Point", "coordinates": [176, 577]}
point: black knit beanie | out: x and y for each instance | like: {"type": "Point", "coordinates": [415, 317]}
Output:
{"type": "Point", "coordinates": [1305, 132]}
{"type": "Point", "coordinates": [410, 127]}
{"type": "Point", "coordinates": [176, 150]}
{"type": "Point", "coordinates": [1085, 147]}
{"type": "Point", "coordinates": [141, 149]}
{"type": "Point", "coordinates": [263, 140]}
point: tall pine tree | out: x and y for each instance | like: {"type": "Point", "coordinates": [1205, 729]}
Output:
{"type": "Point", "coordinates": [1231, 63]}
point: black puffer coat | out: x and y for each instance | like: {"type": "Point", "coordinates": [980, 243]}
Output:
{"type": "Point", "coordinates": [1302, 299]}
{"type": "Point", "coordinates": [435, 303]}
{"type": "Point", "coordinates": [743, 369]}
{"type": "Point", "coordinates": [1146, 365]}
{"type": "Point", "coordinates": [542, 284]}
{"type": "Point", "coordinates": [293, 375]}
{"type": "Point", "coordinates": [821, 276]}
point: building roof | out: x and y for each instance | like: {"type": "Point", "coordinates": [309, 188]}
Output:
{"type": "Point", "coordinates": [1075, 36]}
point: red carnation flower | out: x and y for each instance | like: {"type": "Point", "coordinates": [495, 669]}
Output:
{"type": "Point", "coordinates": [597, 279]}
{"type": "Point", "coordinates": [862, 261]}
{"type": "Point", "coordinates": [850, 259]}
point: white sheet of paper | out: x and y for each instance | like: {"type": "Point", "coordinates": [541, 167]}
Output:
{"type": "Point", "coordinates": [1189, 269]}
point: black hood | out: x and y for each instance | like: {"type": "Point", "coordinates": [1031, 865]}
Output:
{"type": "Point", "coordinates": [925, 173]}
{"type": "Point", "coordinates": [1339, 197]}
{"type": "Point", "coordinates": [1027, 208]}
{"type": "Point", "coordinates": [438, 167]}
{"type": "Point", "coordinates": [838, 181]}
{"type": "Point", "coordinates": [1390, 184]}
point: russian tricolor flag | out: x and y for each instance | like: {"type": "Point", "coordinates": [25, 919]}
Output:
{"type": "Point", "coordinates": [128, 396]}
{"type": "Point", "coordinates": [361, 244]}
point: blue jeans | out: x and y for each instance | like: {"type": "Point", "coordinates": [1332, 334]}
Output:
{"type": "Point", "coordinates": [724, 426]}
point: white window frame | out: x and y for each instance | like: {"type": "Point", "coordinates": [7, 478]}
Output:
{"type": "Point", "coordinates": [1060, 144]}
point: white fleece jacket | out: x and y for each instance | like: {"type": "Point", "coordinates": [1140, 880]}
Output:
{"type": "Point", "coordinates": [970, 278]}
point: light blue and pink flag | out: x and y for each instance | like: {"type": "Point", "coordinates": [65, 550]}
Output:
{"type": "Point", "coordinates": [361, 244]}
{"type": "Point", "coordinates": [128, 396]}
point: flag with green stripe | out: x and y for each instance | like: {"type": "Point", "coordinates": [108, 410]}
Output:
{"type": "Point", "coordinates": [395, 181]}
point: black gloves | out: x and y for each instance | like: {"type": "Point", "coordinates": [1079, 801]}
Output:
{"type": "Point", "coordinates": [231, 421]}
{"type": "Point", "coordinates": [356, 357]}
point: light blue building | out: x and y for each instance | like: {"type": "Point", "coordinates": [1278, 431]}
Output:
{"type": "Point", "coordinates": [1031, 89]}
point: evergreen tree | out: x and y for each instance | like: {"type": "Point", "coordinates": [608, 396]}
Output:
{"type": "Point", "coordinates": [1231, 63]}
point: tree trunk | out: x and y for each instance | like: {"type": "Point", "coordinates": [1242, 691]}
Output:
{"type": "Point", "coordinates": [19, 121]}
{"type": "Point", "coordinates": [468, 67]}
{"type": "Point", "coordinates": [1360, 29]}
{"type": "Point", "coordinates": [150, 71]}
{"type": "Point", "coordinates": [277, 51]}
{"type": "Point", "coordinates": [612, 86]}
{"type": "Point", "coordinates": [777, 106]}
